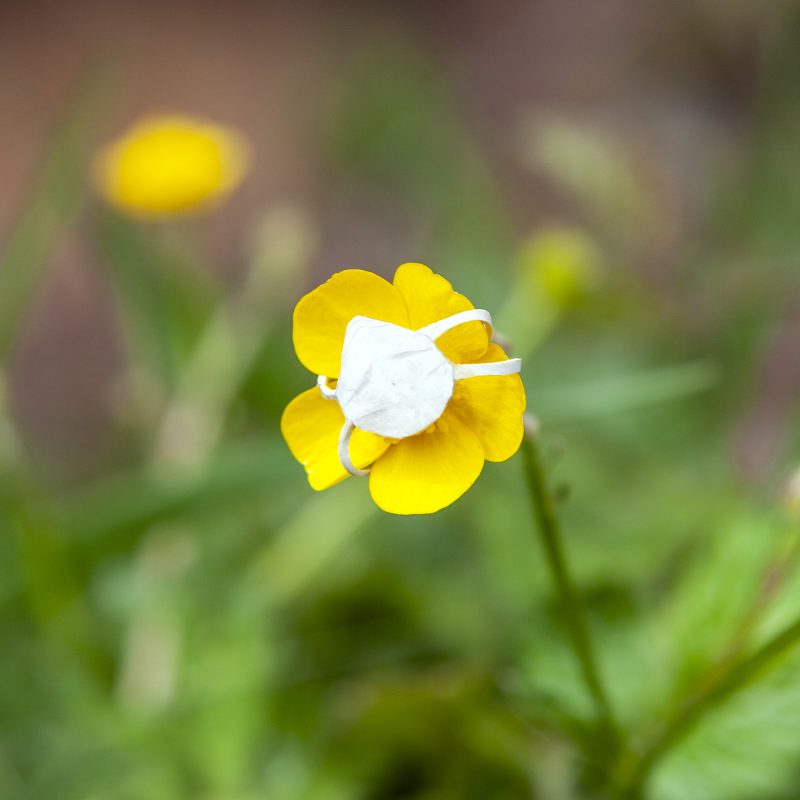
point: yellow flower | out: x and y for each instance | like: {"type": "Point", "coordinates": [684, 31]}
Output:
{"type": "Point", "coordinates": [166, 166]}
{"type": "Point", "coordinates": [409, 385]}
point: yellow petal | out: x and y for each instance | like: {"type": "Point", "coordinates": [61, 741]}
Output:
{"type": "Point", "coordinates": [320, 318]}
{"type": "Point", "coordinates": [427, 472]}
{"type": "Point", "coordinates": [430, 297]}
{"type": "Point", "coordinates": [311, 426]}
{"type": "Point", "coordinates": [492, 407]}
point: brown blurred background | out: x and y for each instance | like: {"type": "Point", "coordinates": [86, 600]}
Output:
{"type": "Point", "coordinates": [270, 69]}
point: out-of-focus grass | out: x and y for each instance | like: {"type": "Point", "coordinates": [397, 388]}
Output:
{"type": "Point", "coordinates": [57, 200]}
{"type": "Point", "coordinates": [193, 621]}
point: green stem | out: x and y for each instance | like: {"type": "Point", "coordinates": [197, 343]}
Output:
{"type": "Point", "coordinates": [692, 711]}
{"type": "Point", "coordinates": [550, 534]}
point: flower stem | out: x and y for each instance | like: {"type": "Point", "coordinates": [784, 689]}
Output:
{"type": "Point", "coordinates": [737, 677]}
{"type": "Point", "coordinates": [550, 534]}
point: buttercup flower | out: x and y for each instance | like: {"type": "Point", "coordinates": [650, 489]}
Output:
{"type": "Point", "coordinates": [410, 389]}
{"type": "Point", "coordinates": [166, 166]}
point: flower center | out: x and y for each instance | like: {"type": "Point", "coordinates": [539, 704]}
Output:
{"type": "Point", "coordinates": [393, 381]}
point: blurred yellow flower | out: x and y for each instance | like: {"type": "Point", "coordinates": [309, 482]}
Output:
{"type": "Point", "coordinates": [409, 384]}
{"type": "Point", "coordinates": [171, 165]}
{"type": "Point", "coordinates": [563, 265]}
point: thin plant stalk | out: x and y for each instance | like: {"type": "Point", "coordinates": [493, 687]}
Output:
{"type": "Point", "coordinates": [575, 616]}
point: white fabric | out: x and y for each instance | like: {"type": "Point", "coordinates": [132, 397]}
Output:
{"type": "Point", "coordinates": [394, 381]}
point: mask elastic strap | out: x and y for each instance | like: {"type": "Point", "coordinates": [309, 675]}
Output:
{"type": "Point", "coordinates": [344, 451]}
{"type": "Point", "coordinates": [325, 390]}
{"type": "Point", "coordinates": [436, 329]}
{"type": "Point", "coordinates": [511, 366]}
{"type": "Point", "coordinates": [433, 331]}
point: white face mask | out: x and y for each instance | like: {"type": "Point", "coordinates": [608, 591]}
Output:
{"type": "Point", "coordinates": [395, 382]}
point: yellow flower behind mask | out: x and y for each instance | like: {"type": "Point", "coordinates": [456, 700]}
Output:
{"type": "Point", "coordinates": [169, 166]}
{"type": "Point", "coordinates": [409, 385]}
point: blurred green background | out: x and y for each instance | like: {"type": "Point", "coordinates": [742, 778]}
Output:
{"type": "Point", "coordinates": [181, 616]}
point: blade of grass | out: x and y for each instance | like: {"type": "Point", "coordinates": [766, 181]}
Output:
{"type": "Point", "coordinates": [311, 539]}
{"type": "Point", "coordinates": [164, 301]}
{"type": "Point", "coordinates": [619, 393]}
{"type": "Point", "coordinates": [56, 201]}
{"type": "Point", "coordinates": [140, 498]}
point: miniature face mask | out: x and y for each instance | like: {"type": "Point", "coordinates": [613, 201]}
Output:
{"type": "Point", "coordinates": [395, 382]}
